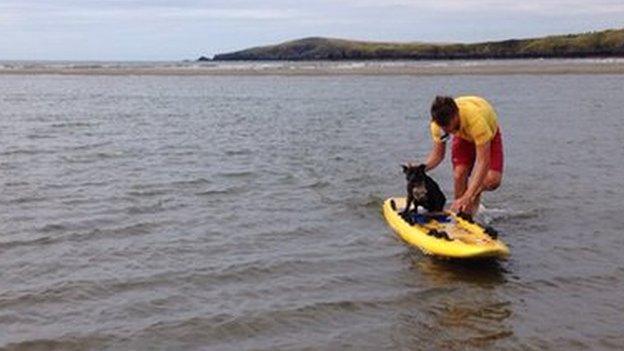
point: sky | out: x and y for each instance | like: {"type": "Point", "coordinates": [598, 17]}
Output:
{"type": "Point", "coordinates": [137, 30]}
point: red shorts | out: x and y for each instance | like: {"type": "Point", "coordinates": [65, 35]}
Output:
{"type": "Point", "coordinates": [463, 152]}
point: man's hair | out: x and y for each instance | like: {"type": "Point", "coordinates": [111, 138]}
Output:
{"type": "Point", "coordinates": [443, 109]}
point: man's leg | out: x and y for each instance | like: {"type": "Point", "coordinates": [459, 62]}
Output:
{"type": "Point", "coordinates": [492, 181]}
{"type": "Point", "coordinates": [460, 179]}
{"type": "Point", "coordinates": [462, 158]}
{"type": "Point", "coordinates": [494, 176]}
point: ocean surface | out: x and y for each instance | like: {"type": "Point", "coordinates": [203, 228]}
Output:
{"type": "Point", "coordinates": [244, 213]}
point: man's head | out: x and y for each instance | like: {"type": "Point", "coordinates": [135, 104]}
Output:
{"type": "Point", "coordinates": [445, 113]}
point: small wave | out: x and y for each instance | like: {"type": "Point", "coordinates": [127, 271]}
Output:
{"type": "Point", "coordinates": [71, 125]}
{"type": "Point", "coordinates": [40, 136]}
{"type": "Point", "coordinates": [237, 174]}
{"type": "Point", "coordinates": [165, 186]}
{"type": "Point", "coordinates": [318, 184]}
{"type": "Point", "coordinates": [94, 157]}
{"type": "Point", "coordinates": [52, 228]}
{"type": "Point", "coordinates": [91, 341]}
{"type": "Point", "coordinates": [45, 240]}
{"type": "Point", "coordinates": [75, 186]}
{"type": "Point", "coordinates": [221, 327]}
{"type": "Point", "coordinates": [94, 234]}
{"type": "Point", "coordinates": [221, 191]}
{"type": "Point", "coordinates": [148, 193]}
{"type": "Point", "coordinates": [365, 205]}
{"type": "Point", "coordinates": [27, 200]}
{"type": "Point", "coordinates": [64, 291]}
{"type": "Point", "coordinates": [73, 291]}
{"type": "Point", "coordinates": [477, 342]}
{"type": "Point", "coordinates": [26, 152]}
{"type": "Point", "coordinates": [89, 146]}
{"type": "Point", "coordinates": [590, 282]}
{"type": "Point", "coordinates": [142, 228]}
{"type": "Point", "coordinates": [238, 152]}
{"type": "Point", "coordinates": [16, 184]}
{"type": "Point", "coordinates": [492, 215]}
{"type": "Point", "coordinates": [191, 183]}
{"type": "Point", "coordinates": [371, 202]}
{"type": "Point", "coordinates": [147, 209]}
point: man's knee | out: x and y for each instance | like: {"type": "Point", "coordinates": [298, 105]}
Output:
{"type": "Point", "coordinates": [493, 180]}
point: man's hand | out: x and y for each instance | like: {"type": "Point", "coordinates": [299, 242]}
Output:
{"type": "Point", "coordinates": [461, 205]}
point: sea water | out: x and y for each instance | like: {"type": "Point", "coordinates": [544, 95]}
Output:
{"type": "Point", "coordinates": [235, 213]}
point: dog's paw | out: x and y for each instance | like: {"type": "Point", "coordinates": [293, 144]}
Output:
{"type": "Point", "coordinates": [439, 234]}
{"type": "Point", "coordinates": [393, 205]}
{"type": "Point", "coordinates": [493, 233]}
{"type": "Point", "coordinates": [465, 216]}
{"type": "Point", "coordinates": [446, 236]}
{"type": "Point", "coordinates": [404, 215]}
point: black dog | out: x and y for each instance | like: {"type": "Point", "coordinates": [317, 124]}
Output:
{"type": "Point", "coordinates": [422, 191]}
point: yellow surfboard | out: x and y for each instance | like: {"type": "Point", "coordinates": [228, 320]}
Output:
{"type": "Point", "coordinates": [464, 239]}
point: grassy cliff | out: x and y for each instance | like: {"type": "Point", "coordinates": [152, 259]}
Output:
{"type": "Point", "coordinates": [592, 44]}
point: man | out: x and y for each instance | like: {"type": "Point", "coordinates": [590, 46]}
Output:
{"type": "Point", "coordinates": [477, 148]}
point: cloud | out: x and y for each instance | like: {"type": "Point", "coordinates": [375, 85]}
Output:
{"type": "Point", "coordinates": [61, 13]}
{"type": "Point", "coordinates": [166, 28]}
{"type": "Point", "coordinates": [165, 13]}
{"type": "Point", "coordinates": [538, 7]}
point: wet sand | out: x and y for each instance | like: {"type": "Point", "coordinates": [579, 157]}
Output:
{"type": "Point", "coordinates": [488, 67]}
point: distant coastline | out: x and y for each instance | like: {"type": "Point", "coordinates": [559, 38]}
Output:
{"type": "Point", "coordinates": [320, 68]}
{"type": "Point", "coordinates": [607, 43]}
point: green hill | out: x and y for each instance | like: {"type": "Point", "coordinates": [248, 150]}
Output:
{"type": "Point", "coordinates": [606, 43]}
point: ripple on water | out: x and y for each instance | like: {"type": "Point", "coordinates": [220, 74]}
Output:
{"type": "Point", "coordinates": [93, 157]}
{"type": "Point", "coordinates": [235, 213]}
{"type": "Point", "coordinates": [58, 234]}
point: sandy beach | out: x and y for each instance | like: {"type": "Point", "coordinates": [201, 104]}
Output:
{"type": "Point", "coordinates": [473, 67]}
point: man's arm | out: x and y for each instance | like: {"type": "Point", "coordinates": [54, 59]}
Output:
{"type": "Point", "coordinates": [436, 155]}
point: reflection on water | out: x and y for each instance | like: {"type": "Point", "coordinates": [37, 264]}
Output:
{"type": "Point", "coordinates": [439, 271]}
{"type": "Point", "coordinates": [471, 313]}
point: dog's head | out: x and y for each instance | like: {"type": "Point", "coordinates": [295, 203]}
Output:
{"type": "Point", "coordinates": [415, 176]}
{"type": "Point", "coordinates": [414, 173]}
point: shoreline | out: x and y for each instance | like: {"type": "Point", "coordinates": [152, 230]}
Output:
{"type": "Point", "coordinates": [324, 68]}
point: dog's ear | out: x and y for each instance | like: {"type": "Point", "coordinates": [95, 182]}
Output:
{"type": "Point", "coordinates": [405, 168]}
{"type": "Point", "coordinates": [421, 167]}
